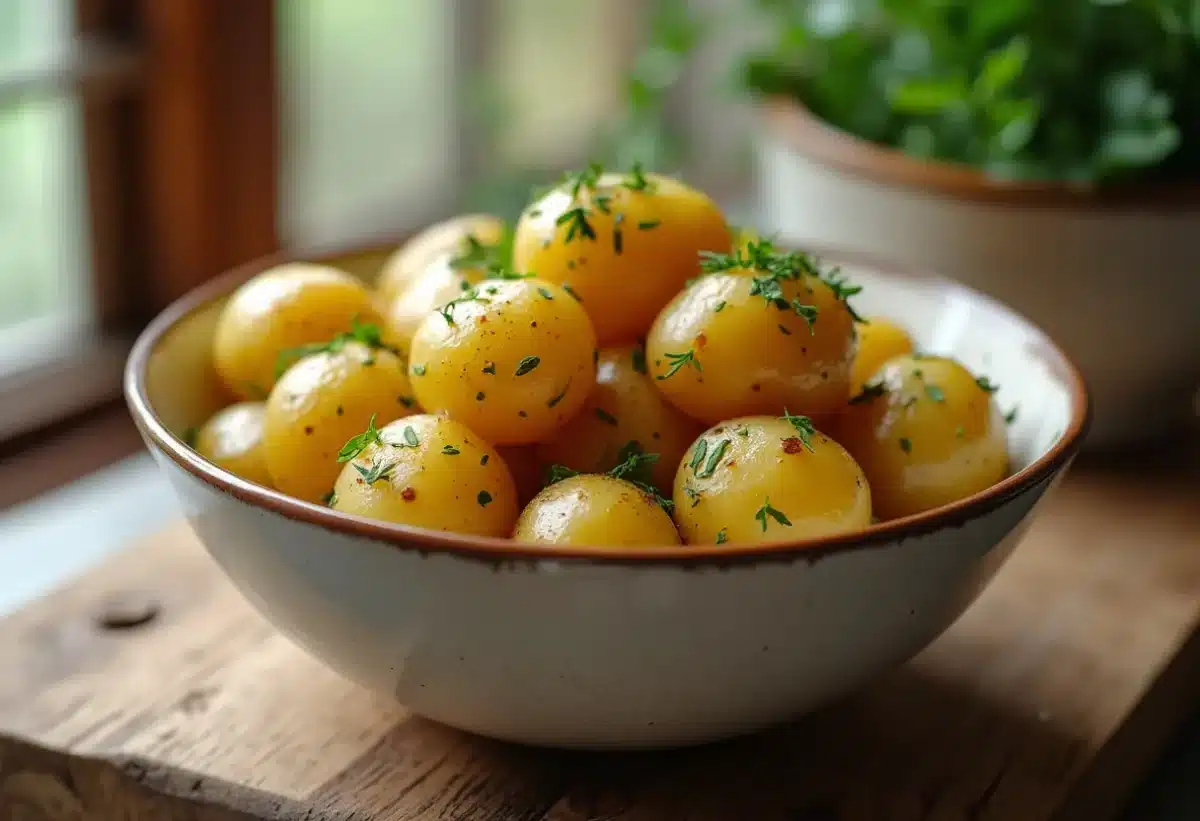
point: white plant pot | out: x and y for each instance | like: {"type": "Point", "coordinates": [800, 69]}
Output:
{"type": "Point", "coordinates": [1115, 282]}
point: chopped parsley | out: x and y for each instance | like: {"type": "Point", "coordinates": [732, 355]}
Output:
{"type": "Point", "coordinates": [1011, 416]}
{"type": "Point", "coordinates": [365, 333]}
{"type": "Point", "coordinates": [679, 360]}
{"type": "Point", "coordinates": [634, 467]}
{"type": "Point", "coordinates": [720, 306]}
{"type": "Point", "coordinates": [618, 236]}
{"type": "Point", "coordinates": [484, 498]}
{"type": "Point", "coordinates": [558, 397]}
{"type": "Point", "coordinates": [545, 293]}
{"type": "Point", "coordinates": [447, 310]}
{"type": "Point", "coordinates": [450, 450]}
{"type": "Point", "coordinates": [576, 220]}
{"type": "Point", "coordinates": [418, 370]}
{"type": "Point", "coordinates": [905, 444]}
{"type": "Point", "coordinates": [767, 512]}
{"type": "Point", "coordinates": [698, 455]}
{"type": "Point", "coordinates": [566, 286]}
{"type": "Point", "coordinates": [935, 393]}
{"type": "Point", "coordinates": [357, 444]}
{"type": "Point", "coordinates": [605, 416]}
{"type": "Point", "coordinates": [410, 437]}
{"type": "Point", "coordinates": [376, 472]}
{"type": "Point", "coordinates": [805, 430]}
{"type": "Point", "coordinates": [648, 225]}
{"type": "Point", "coordinates": [527, 364]}
{"type": "Point", "coordinates": [636, 180]}
{"type": "Point", "coordinates": [986, 385]}
{"type": "Point", "coordinates": [714, 459]}
{"type": "Point", "coordinates": [721, 538]}
{"type": "Point", "coordinates": [483, 460]}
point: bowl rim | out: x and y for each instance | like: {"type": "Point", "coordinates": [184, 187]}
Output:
{"type": "Point", "coordinates": [502, 550]}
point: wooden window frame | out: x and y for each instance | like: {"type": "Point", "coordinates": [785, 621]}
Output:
{"type": "Point", "coordinates": [179, 120]}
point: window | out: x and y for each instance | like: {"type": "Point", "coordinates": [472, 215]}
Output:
{"type": "Point", "coordinates": [147, 145]}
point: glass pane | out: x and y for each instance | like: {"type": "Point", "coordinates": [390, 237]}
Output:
{"type": "Point", "coordinates": [43, 242]}
{"type": "Point", "coordinates": [559, 68]}
{"type": "Point", "coordinates": [367, 115]}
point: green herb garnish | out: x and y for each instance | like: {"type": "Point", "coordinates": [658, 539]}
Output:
{"type": "Point", "coordinates": [905, 444]}
{"type": "Point", "coordinates": [364, 333]}
{"type": "Point", "coordinates": [721, 538]}
{"type": "Point", "coordinates": [766, 511]}
{"type": "Point", "coordinates": [377, 471]}
{"type": "Point", "coordinates": [714, 459]}
{"type": "Point", "coordinates": [450, 450]}
{"type": "Point", "coordinates": [679, 360]}
{"type": "Point", "coordinates": [357, 444]}
{"type": "Point", "coordinates": [805, 430]}
{"type": "Point", "coordinates": [484, 498]}
{"type": "Point", "coordinates": [986, 385]}
{"type": "Point", "coordinates": [1011, 416]}
{"type": "Point", "coordinates": [527, 364]}
{"type": "Point", "coordinates": [935, 393]}
{"type": "Point", "coordinates": [636, 180]}
{"type": "Point", "coordinates": [605, 416]}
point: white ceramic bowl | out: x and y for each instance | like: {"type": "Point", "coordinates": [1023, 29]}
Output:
{"type": "Point", "coordinates": [580, 647]}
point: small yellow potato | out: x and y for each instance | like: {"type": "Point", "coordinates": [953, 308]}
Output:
{"type": "Point", "coordinates": [427, 471]}
{"type": "Point", "coordinates": [926, 433]}
{"type": "Point", "coordinates": [755, 340]}
{"type": "Point", "coordinates": [596, 510]}
{"type": "Point", "coordinates": [448, 275]}
{"type": "Point", "coordinates": [623, 407]}
{"type": "Point", "coordinates": [624, 243]}
{"type": "Point", "coordinates": [232, 439]}
{"type": "Point", "coordinates": [513, 359]}
{"type": "Point", "coordinates": [286, 307]}
{"type": "Point", "coordinates": [320, 402]}
{"type": "Point", "coordinates": [879, 339]}
{"type": "Point", "coordinates": [452, 238]}
{"type": "Point", "coordinates": [768, 479]}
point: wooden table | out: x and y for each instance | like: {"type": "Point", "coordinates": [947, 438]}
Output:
{"type": "Point", "coordinates": [149, 690]}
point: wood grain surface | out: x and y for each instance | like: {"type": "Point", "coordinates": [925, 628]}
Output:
{"type": "Point", "coordinates": [150, 690]}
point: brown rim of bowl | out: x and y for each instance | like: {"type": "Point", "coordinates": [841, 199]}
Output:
{"type": "Point", "coordinates": [498, 550]}
{"type": "Point", "coordinates": [813, 137]}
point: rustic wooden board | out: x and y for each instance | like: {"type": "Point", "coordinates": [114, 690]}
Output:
{"type": "Point", "coordinates": [149, 690]}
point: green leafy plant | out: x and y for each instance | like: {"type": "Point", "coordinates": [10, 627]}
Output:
{"type": "Point", "coordinates": [1081, 91]}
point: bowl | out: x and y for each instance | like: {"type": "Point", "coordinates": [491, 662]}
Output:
{"type": "Point", "coordinates": [581, 647]}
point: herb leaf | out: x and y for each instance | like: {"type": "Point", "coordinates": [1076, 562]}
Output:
{"type": "Point", "coordinates": [357, 444]}
{"type": "Point", "coordinates": [679, 360]}
{"type": "Point", "coordinates": [766, 511]}
{"type": "Point", "coordinates": [805, 430]}
{"type": "Point", "coordinates": [527, 364]}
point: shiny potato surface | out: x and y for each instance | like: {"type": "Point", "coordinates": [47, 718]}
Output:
{"type": "Point", "coordinates": [232, 439]}
{"type": "Point", "coordinates": [879, 340]}
{"type": "Point", "coordinates": [623, 407]}
{"type": "Point", "coordinates": [596, 510]}
{"type": "Point", "coordinates": [762, 479]}
{"type": "Point", "coordinates": [449, 239]}
{"type": "Point", "coordinates": [740, 343]}
{"type": "Point", "coordinates": [448, 275]}
{"type": "Point", "coordinates": [427, 471]}
{"type": "Point", "coordinates": [625, 243]}
{"type": "Point", "coordinates": [926, 433]}
{"type": "Point", "coordinates": [283, 308]}
{"type": "Point", "coordinates": [322, 401]}
{"type": "Point", "coordinates": [513, 359]}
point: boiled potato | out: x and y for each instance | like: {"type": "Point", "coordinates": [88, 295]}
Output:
{"type": "Point", "coordinates": [283, 308]}
{"type": "Point", "coordinates": [427, 471]}
{"type": "Point", "coordinates": [448, 275]}
{"type": "Point", "coordinates": [768, 479]}
{"type": "Point", "coordinates": [232, 439]}
{"type": "Point", "coordinates": [926, 433]}
{"type": "Point", "coordinates": [596, 510]}
{"type": "Point", "coordinates": [451, 239]}
{"type": "Point", "coordinates": [624, 243]}
{"type": "Point", "coordinates": [623, 407]}
{"type": "Point", "coordinates": [879, 340]}
{"type": "Point", "coordinates": [513, 359]}
{"type": "Point", "coordinates": [322, 401]}
{"type": "Point", "coordinates": [746, 341]}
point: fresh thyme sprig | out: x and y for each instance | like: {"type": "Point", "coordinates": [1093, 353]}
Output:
{"type": "Point", "coordinates": [365, 333]}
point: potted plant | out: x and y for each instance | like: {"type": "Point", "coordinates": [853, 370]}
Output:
{"type": "Point", "coordinates": [1044, 151]}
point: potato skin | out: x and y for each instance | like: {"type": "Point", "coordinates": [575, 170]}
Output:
{"type": "Point", "coordinates": [879, 340]}
{"type": "Point", "coordinates": [738, 468]}
{"type": "Point", "coordinates": [748, 357]}
{"type": "Point", "coordinates": [514, 360]}
{"type": "Point", "coordinates": [286, 307]}
{"type": "Point", "coordinates": [232, 439]}
{"type": "Point", "coordinates": [322, 401]}
{"type": "Point", "coordinates": [445, 239]}
{"type": "Point", "coordinates": [646, 245]}
{"type": "Point", "coordinates": [433, 472]}
{"type": "Point", "coordinates": [926, 434]}
{"type": "Point", "coordinates": [595, 510]}
{"type": "Point", "coordinates": [623, 407]}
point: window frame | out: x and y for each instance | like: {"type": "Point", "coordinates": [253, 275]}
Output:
{"type": "Point", "coordinates": [178, 109]}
